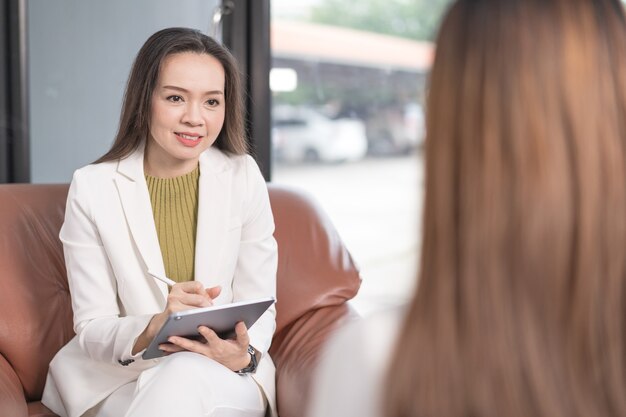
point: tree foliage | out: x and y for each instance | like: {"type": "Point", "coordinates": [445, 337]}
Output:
{"type": "Point", "coordinates": [412, 19]}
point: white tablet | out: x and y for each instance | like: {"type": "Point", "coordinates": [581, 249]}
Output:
{"type": "Point", "coordinates": [222, 319]}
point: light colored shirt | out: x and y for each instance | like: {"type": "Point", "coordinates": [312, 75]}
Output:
{"type": "Point", "coordinates": [350, 379]}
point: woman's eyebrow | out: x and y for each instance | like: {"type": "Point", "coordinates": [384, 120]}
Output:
{"type": "Point", "coordinates": [173, 87]}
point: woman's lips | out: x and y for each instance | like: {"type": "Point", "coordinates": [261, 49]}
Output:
{"type": "Point", "coordinates": [188, 139]}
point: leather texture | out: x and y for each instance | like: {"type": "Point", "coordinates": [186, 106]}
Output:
{"type": "Point", "coordinates": [316, 276]}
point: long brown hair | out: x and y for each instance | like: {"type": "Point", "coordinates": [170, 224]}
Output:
{"type": "Point", "coordinates": [520, 308]}
{"type": "Point", "coordinates": [135, 116]}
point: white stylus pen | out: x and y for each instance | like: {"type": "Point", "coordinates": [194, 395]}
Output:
{"type": "Point", "coordinates": [162, 279]}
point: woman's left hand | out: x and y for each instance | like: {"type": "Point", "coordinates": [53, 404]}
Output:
{"type": "Point", "coordinates": [232, 353]}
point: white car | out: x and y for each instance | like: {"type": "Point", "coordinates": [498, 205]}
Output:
{"type": "Point", "coordinates": [304, 134]}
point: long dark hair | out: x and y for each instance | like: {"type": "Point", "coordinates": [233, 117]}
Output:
{"type": "Point", "coordinates": [135, 116]}
{"type": "Point", "coordinates": [520, 307]}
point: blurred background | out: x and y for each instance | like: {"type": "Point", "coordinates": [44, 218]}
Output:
{"type": "Point", "coordinates": [348, 86]}
{"type": "Point", "coordinates": [335, 101]}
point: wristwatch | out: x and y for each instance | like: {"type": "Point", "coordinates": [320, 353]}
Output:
{"type": "Point", "coordinates": [251, 368]}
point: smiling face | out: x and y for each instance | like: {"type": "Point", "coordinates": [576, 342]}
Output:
{"type": "Point", "coordinates": [188, 107]}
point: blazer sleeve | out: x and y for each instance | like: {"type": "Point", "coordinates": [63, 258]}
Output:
{"type": "Point", "coordinates": [255, 272]}
{"type": "Point", "coordinates": [102, 333]}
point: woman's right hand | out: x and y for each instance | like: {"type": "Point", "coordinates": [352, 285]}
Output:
{"type": "Point", "coordinates": [182, 296]}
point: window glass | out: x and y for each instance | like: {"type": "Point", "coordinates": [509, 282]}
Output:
{"type": "Point", "coordinates": [348, 87]}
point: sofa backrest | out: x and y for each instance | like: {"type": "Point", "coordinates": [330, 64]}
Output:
{"type": "Point", "coordinates": [315, 270]}
{"type": "Point", "coordinates": [35, 309]}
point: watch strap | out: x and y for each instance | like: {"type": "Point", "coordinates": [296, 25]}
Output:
{"type": "Point", "coordinates": [251, 368]}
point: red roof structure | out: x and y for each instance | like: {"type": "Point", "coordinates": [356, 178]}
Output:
{"type": "Point", "coordinates": [323, 43]}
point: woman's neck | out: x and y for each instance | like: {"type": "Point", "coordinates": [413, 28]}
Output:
{"type": "Point", "coordinates": [166, 167]}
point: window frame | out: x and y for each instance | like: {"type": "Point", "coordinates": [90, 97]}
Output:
{"type": "Point", "coordinates": [14, 118]}
{"type": "Point", "coordinates": [246, 32]}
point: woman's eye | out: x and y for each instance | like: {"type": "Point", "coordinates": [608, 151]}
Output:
{"type": "Point", "coordinates": [175, 99]}
{"type": "Point", "coordinates": [212, 102]}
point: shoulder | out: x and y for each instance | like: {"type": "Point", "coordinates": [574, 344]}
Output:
{"type": "Point", "coordinates": [94, 184]}
{"type": "Point", "coordinates": [219, 160]}
{"type": "Point", "coordinates": [242, 168]}
{"type": "Point", "coordinates": [244, 164]}
{"type": "Point", "coordinates": [377, 333]}
{"type": "Point", "coordinates": [95, 171]}
{"type": "Point", "coordinates": [352, 370]}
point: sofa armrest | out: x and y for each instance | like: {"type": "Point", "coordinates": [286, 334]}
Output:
{"type": "Point", "coordinates": [12, 401]}
{"type": "Point", "coordinates": [295, 351]}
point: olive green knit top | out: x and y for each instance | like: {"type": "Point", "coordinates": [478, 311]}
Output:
{"type": "Point", "coordinates": [175, 208]}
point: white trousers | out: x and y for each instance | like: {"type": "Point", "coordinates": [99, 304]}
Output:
{"type": "Point", "coordinates": [185, 384]}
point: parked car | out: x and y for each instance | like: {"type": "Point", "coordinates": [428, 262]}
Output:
{"type": "Point", "coordinates": [396, 130]}
{"type": "Point", "coordinates": [304, 134]}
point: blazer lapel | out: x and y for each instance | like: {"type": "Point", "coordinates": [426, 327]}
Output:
{"type": "Point", "coordinates": [214, 207]}
{"type": "Point", "coordinates": [135, 199]}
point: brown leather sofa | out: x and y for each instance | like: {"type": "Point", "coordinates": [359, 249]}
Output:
{"type": "Point", "coordinates": [316, 276]}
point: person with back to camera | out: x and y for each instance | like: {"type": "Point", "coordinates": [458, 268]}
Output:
{"type": "Point", "coordinates": [176, 195]}
{"type": "Point", "coordinates": [520, 307]}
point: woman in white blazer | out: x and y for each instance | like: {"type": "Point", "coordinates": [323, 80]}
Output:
{"type": "Point", "coordinates": [182, 113]}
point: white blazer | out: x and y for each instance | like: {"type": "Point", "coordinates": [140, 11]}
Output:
{"type": "Point", "coordinates": [110, 242]}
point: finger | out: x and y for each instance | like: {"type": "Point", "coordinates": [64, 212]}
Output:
{"type": "Point", "coordinates": [194, 300]}
{"type": "Point", "coordinates": [170, 348]}
{"type": "Point", "coordinates": [190, 345]}
{"type": "Point", "coordinates": [184, 289]}
{"type": "Point", "coordinates": [193, 287]}
{"type": "Point", "coordinates": [243, 339]}
{"type": "Point", "coordinates": [214, 292]}
{"type": "Point", "coordinates": [210, 336]}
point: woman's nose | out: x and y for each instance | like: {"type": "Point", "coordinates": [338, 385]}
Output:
{"type": "Point", "coordinates": [192, 115]}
